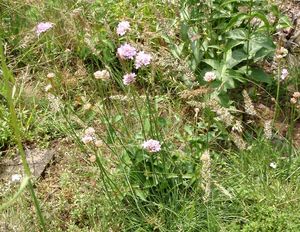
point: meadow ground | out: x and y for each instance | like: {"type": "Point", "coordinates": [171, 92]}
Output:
{"type": "Point", "coordinates": [160, 115]}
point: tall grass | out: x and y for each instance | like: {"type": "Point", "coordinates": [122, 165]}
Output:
{"type": "Point", "coordinates": [10, 88]}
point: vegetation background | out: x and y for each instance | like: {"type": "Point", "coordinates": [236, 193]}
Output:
{"type": "Point", "coordinates": [215, 92]}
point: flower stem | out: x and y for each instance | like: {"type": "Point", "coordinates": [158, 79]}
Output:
{"type": "Point", "coordinates": [15, 126]}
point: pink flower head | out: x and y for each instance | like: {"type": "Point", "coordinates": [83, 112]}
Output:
{"type": "Point", "coordinates": [284, 74]}
{"type": "Point", "coordinates": [87, 139]}
{"type": "Point", "coordinates": [123, 27]}
{"type": "Point", "coordinates": [89, 135]}
{"type": "Point", "coordinates": [126, 51]}
{"type": "Point", "coordinates": [152, 145]}
{"type": "Point", "coordinates": [42, 27]}
{"type": "Point", "coordinates": [129, 78]}
{"type": "Point", "coordinates": [142, 59]}
{"type": "Point", "coordinates": [209, 76]}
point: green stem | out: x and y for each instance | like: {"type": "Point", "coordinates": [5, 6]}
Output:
{"type": "Point", "coordinates": [8, 77]}
{"type": "Point", "coordinates": [139, 112]}
{"type": "Point", "coordinates": [249, 36]}
{"type": "Point", "coordinates": [277, 94]}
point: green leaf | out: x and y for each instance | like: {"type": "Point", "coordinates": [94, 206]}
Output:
{"type": "Point", "coordinates": [236, 20]}
{"type": "Point", "coordinates": [118, 118]}
{"type": "Point", "coordinates": [237, 34]}
{"type": "Point", "coordinates": [141, 194]}
{"type": "Point", "coordinates": [260, 46]}
{"type": "Point", "coordinates": [177, 50]}
{"type": "Point", "coordinates": [263, 18]}
{"type": "Point", "coordinates": [260, 76]}
{"type": "Point", "coordinates": [233, 43]}
{"type": "Point", "coordinates": [172, 175]}
{"type": "Point", "coordinates": [235, 57]}
{"type": "Point", "coordinates": [284, 22]}
{"type": "Point", "coordinates": [213, 63]}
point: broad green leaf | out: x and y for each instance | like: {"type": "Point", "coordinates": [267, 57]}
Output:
{"type": "Point", "coordinates": [237, 34]}
{"type": "Point", "coordinates": [235, 57]}
{"type": "Point", "coordinates": [235, 75]}
{"type": "Point", "coordinates": [260, 76]}
{"type": "Point", "coordinates": [213, 63]}
{"type": "Point", "coordinates": [233, 43]}
{"type": "Point", "coordinates": [262, 44]}
{"type": "Point", "coordinates": [236, 20]}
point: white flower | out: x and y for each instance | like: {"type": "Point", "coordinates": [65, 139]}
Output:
{"type": "Point", "coordinates": [273, 165]}
{"type": "Point", "coordinates": [51, 75]}
{"type": "Point", "coordinates": [209, 76]}
{"type": "Point", "coordinates": [16, 178]}
{"type": "Point", "coordinates": [87, 106]}
{"type": "Point", "coordinates": [296, 94]}
{"type": "Point", "coordinates": [48, 87]}
{"type": "Point", "coordinates": [102, 75]}
{"type": "Point", "coordinates": [90, 131]}
{"type": "Point", "coordinates": [98, 143]}
{"type": "Point", "coordinates": [87, 139]}
{"type": "Point", "coordinates": [281, 53]}
{"type": "Point", "coordinates": [89, 135]}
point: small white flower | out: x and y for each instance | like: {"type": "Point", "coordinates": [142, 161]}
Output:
{"type": "Point", "coordinates": [273, 165]}
{"type": "Point", "coordinates": [296, 94]}
{"type": "Point", "coordinates": [90, 131]}
{"type": "Point", "coordinates": [51, 75]}
{"type": "Point", "coordinates": [293, 100]}
{"type": "Point", "coordinates": [99, 143]}
{"type": "Point", "coordinates": [89, 135]}
{"type": "Point", "coordinates": [102, 75]}
{"type": "Point", "coordinates": [48, 87]}
{"type": "Point", "coordinates": [16, 178]}
{"type": "Point", "coordinates": [87, 139]}
{"type": "Point", "coordinates": [209, 76]}
{"type": "Point", "coordinates": [87, 106]}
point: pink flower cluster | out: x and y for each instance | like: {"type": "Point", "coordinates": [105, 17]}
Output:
{"type": "Point", "coordinates": [123, 27]}
{"type": "Point", "coordinates": [142, 59]}
{"type": "Point", "coordinates": [43, 27]}
{"type": "Point", "coordinates": [152, 145]}
{"type": "Point", "coordinates": [209, 76]}
{"type": "Point", "coordinates": [89, 135]}
{"type": "Point", "coordinates": [284, 74]}
{"type": "Point", "coordinates": [126, 51]}
{"type": "Point", "coordinates": [129, 78]}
